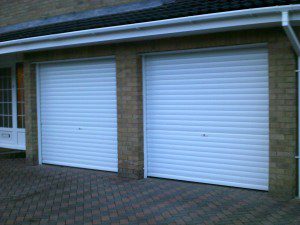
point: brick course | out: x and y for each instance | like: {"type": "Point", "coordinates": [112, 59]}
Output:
{"type": "Point", "coordinates": [282, 82]}
{"type": "Point", "coordinates": [130, 114]}
{"type": "Point", "coordinates": [31, 114]}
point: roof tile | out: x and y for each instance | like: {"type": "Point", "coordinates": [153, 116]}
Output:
{"type": "Point", "coordinates": [166, 10]}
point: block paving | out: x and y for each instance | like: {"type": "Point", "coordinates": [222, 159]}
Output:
{"type": "Point", "coordinates": [60, 195]}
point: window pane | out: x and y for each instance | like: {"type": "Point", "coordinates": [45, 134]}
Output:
{"type": "Point", "coordinates": [6, 109]}
{"type": "Point", "coordinates": [10, 121]}
{"type": "Point", "coordinates": [5, 98]}
{"type": "Point", "coordinates": [20, 95]}
{"type": "Point", "coordinates": [6, 121]}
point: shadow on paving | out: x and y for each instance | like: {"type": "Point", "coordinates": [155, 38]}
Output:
{"type": "Point", "coordinates": [6, 153]}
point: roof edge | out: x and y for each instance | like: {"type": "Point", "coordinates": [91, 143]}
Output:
{"type": "Point", "coordinates": [215, 22]}
{"type": "Point", "coordinates": [88, 14]}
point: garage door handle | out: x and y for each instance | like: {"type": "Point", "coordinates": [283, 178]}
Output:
{"type": "Point", "coordinates": [204, 135]}
{"type": "Point", "coordinates": [79, 128]}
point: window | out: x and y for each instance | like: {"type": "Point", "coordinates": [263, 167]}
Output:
{"type": "Point", "coordinates": [5, 98]}
{"type": "Point", "coordinates": [12, 114]}
{"type": "Point", "coordinates": [20, 95]}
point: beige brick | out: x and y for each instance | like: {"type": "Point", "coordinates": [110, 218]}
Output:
{"type": "Point", "coordinates": [282, 108]}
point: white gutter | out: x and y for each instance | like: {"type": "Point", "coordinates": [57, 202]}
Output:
{"type": "Point", "coordinates": [290, 32]}
{"type": "Point", "coordinates": [215, 22]}
{"type": "Point", "coordinates": [296, 46]}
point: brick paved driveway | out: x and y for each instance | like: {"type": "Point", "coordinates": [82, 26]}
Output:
{"type": "Point", "coordinates": [57, 195]}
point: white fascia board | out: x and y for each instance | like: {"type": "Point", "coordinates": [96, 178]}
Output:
{"type": "Point", "coordinates": [215, 22]}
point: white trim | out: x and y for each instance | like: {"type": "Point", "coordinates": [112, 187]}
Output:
{"type": "Point", "coordinates": [5, 129]}
{"type": "Point", "coordinates": [298, 73]}
{"type": "Point", "coordinates": [144, 91]}
{"type": "Point", "coordinates": [290, 32]}
{"type": "Point", "coordinates": [255, 45]}
{"type": "Point", "coordinates": [14, 98]}
{"type": "Point", "coordinates": [14, 147]}
{"type": "Point", "coordinates": [199, 24]}
{"type": "Point", "coordinates": [14, 104]}
{"type": "Point", "coordinates": [75, 59]}
{"type": "Point", "coordinates": [38, 107]}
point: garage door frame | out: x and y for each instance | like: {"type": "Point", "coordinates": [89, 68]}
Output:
{"type": "Point", "coordinates": [38, 93]}
{"type": "Point", "coordinates": [144, 87]}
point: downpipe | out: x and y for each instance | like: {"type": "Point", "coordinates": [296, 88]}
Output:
{"type": "Point", "coordinates": [296, 46]}
{"type": "Point", "coordinates": [297, 156]}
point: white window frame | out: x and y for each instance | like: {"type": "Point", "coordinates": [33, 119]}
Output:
{"type": "Point", "coordinates": [18, 140]}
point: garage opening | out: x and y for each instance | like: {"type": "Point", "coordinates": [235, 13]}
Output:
{"type": "Point", "coordinates": [207, 116]}
{"type": "Point", "coordinates": [78, 114]}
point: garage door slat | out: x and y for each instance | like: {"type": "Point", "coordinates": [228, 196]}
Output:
{"type": "Point", "coordinates": [219, 171]}
{"type": "Point", "coordinates": [78, 114]}
{"type": "Point", "coordinates": [207, 116]}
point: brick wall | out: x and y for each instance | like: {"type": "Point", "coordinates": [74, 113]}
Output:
{"type": "Point", "coordinates": [130, 112]}
{"type": "Point", "coordinates": [31, 114]}
{"type": "Point", "coordinates": [16, 11]}
{"type": "Point", "coordinates": [282, 81]}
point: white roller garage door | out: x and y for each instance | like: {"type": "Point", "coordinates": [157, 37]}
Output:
{"type": "Point", "coordinates": [78, 114]}
{"type": "Point", "coordinates": [207, 116]}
